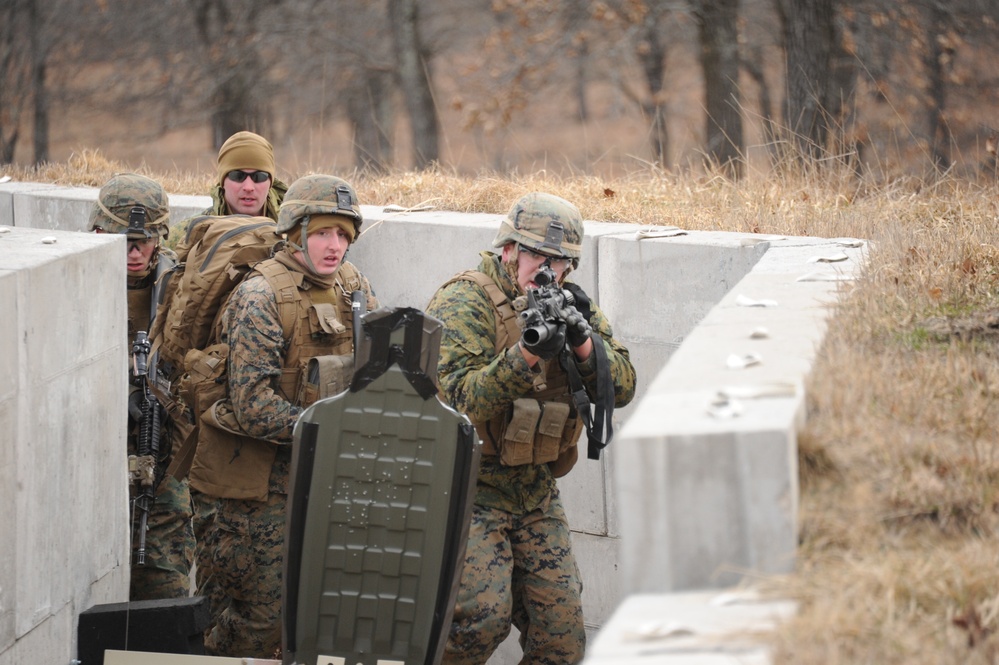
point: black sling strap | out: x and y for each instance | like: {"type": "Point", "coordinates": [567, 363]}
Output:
{"type": "Point", "coordinates": [599, 420]}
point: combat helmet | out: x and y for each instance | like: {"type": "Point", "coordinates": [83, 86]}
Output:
{"type": "Point", "coordinates": [132, 204]}
{"type": "Point", "coordinates": [318, 195]}
{"type": "Point", "coordinates": [546, 224]}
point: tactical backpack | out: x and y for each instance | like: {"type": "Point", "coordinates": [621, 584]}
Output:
{"type": "Point", "coordinates": [220, 251]}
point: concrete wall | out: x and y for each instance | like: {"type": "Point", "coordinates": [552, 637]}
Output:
{"type": "Point", "coordinates": [65, 543]}
{"type": "Point", "coordinates": [681, 499]}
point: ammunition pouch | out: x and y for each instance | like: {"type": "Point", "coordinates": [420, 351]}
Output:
{"type": "Point", "coordinates": [228, 463]}
{"type": "Point", "coordinates": [537, 433]}
{"type": "Point", "coordinates": [325, 376]}
{"type": "Point", "coordinates": [204, 380]}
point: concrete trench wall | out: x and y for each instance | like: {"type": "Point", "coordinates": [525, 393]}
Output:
{"type": "Point", "coordinates": [684, 498]}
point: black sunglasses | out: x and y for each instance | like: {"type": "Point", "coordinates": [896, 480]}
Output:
{"type": "Point", "coordinates": [257, 176]}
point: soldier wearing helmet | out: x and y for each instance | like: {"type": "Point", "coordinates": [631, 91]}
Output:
{"type": "Point", "coordinates": [245, 183]}
{"type": "Point", "coordinates": [137, 207]}
{"type": "Point", "coordinates": [523, 394]}
{"type": "Point", "coordinates": [293, 308]}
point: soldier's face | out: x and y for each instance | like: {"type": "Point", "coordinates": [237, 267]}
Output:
{"type": "Point", "coordinates": [326, 248]}
{"type": "Point", "coordinates": [529, 263]}
{"type": "Point", "coordinates": [140, 253]}
{"type": "Point", "coordinates": [246, 197]}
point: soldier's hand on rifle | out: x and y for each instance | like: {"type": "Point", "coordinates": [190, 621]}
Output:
{"type": "Point", "coordinates": [576, 314]}
{"type": "Point", "coordinates": [577, 328]}
{"type": "Point", "coordinates": [544, 340]}
{"type": "Point", "coordinates": [135, 399]}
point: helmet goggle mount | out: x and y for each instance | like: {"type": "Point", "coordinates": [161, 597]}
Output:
{"type": "Point", "coordinates": [345, 201]}
{"type": "Point", "coordinates": [553, 238]}
{"type": "Point", "coordinates": [136, 231]}
{"type": "Point", "coordinates": [137, 222]}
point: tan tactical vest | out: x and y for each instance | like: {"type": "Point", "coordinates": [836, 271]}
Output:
{"type": "Point", "coordinates": [542, 428]}
{"type": "Point", "coordinates": [230, 464]}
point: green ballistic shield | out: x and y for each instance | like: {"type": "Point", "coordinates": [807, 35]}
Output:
{"type": "Point", "coordinates": [383, 477]}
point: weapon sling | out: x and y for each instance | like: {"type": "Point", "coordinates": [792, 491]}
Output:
{"type": "Point", "coordinates": [599, 425]}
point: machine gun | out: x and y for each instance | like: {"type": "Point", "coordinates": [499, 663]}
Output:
{"type": "Point", "coordinates": [144, 466]}
{"type": "Point", "coordinates": [548, 308]}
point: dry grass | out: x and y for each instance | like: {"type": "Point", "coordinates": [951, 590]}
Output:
{"type": "Point", "coordinates": [898, 462]}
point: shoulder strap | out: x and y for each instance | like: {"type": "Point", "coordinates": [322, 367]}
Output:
{"type": "Point", "coordinates": [165, 263]}
{"type": "Point", "coordinates": [506, 324]}
{"type": "Point", "coordinates": [285, 290]}
{"type": "Point", "coordinates": [349, 276]}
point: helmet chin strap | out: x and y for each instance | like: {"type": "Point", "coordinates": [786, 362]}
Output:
{"type": "Point", "coordinates": [305, 245]}
{"type": "Point", "coordinates": [510, 265]}
{"type": "Point", "coordinates": [304, 249]}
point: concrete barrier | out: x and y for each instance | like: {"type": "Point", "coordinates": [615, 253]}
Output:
{"type": "Point", "coordinates": [65, 498]}
{"type": "Point", "coordinates": [682, 499]}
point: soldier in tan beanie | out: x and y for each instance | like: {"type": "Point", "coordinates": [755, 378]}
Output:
{"type": "Point", "coordinates": [245, 169]}
{"type": "Point", "coordinates": [245, 184]}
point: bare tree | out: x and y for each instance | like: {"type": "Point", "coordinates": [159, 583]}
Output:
{"type": "Point", "coordinates": [641, 26]}
{"type": "Point", "coordinates": [39, 54]}
{"type": "Point", "coordinates": [14, 74]}
{"type": "Point", "coordinates": [413, 68]}
{"type": "Point", "coordinates": [370, 111]}
{"type": "Point", "coordinates": [233, 58]}
{"type": "Point", "coordinates": [809, 35]}
{"type": "Point", "coordinates": [651, 51]}
{"type": "Point", "coordinates": [717, 23]}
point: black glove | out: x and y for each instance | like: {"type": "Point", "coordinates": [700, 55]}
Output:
{"type": "Point", "coordinates": [135, 405]}
{"type": "Point", "coordinates": [544, 341]}
{"type": "Point", "coordinates": [577, 329]}
{"type": "Point", "coordinates": [577, 314]}
{"type": "Point", "coordinates": [580, 300]}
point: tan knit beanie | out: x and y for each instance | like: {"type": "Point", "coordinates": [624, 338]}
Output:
{"type": "Point", "coordinates": [245, 150]}
{"type": "Point", "coordinates": [318, 222]}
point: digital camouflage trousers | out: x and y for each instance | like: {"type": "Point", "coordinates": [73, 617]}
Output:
{"type": "Point", "coordinates": [169, 545]}
{"type": "Point", "coordinates": [245, 545]}
{"type": "Point", "coordinates": [519, 570]}
{"type": "Point", "coordinates": [204, 522]}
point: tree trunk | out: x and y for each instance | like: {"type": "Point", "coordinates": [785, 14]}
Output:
{"type": "Point", "coordinates": [936, 58]}
{"type": "Point", "coordinates": [808, 32]}
{"type": "Point", "coordinates": [753, 64]}
{"type": "Point", "coordinates": [717, 23]}
{"type": "Point", "coordinates": [236, 109]}
{"type": "Point", "coordinates": [369, 108]}
{"type": "Point", "coordinates": [414, 79]}
{"type": "Point", "coordinates": [581, 60]}
{"type": "Point", "coordinates": [652, 56]}
{"type": "Point", "coordinates": [38, 89]}
{"type": "Point", "coordinates": [12, 77]}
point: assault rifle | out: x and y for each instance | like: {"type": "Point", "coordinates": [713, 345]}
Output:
{"type": "Point", "coordinates": [551, 309]}
{"type": "Point", "coordinates": [143, 466]}
{"type": "Point", "coordinates": [547, 309]}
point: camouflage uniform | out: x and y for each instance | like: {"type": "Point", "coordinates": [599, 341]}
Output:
{"type": "Point", "coordinates": [169, 537]}
{"type": "Point", "coordinates": [519, 565]}
{"type": "Point", "coordinates": [204, 506]}
{"type": "Point", "coordinates": [246, 543]}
